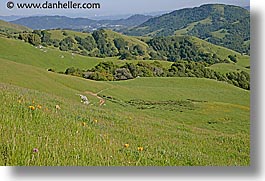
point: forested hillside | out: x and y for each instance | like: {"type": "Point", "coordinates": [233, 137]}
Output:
{"type": "Point", "coordinates": [224, 25]}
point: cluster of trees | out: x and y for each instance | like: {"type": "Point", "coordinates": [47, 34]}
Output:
{"type": "Point", "coordinates": [30, 38]}
{"type": "Point", "coordinates": [95, 45]}
{"type": "Point", "coordinates": [128, 52]}
{"type": "Point", "coordinates": [201, 70]}
{"type": "Point", "coordinates": [180, 48]}
{"type": "Point", "coordinates": [38, 37]}
{"type": "Point", "coordinates": [108, 71]}
{"type": "Point", "coordinates": [104, 46]}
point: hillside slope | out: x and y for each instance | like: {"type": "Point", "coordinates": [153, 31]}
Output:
{"type": "Point", "coordinates": [205, 122]}
{"type": "Point", "coordinates": [61, 60]}
{"type": "Point", "coordinates": [6, 27]}
{"type": "Point", "coordinates": [107, 43]}
{"type": "Point", "coordinates": [224, 25]}
{"type": "Point", "coordinates": [191, 48]}
{"type": "Point", "coordinates": [43, 57]}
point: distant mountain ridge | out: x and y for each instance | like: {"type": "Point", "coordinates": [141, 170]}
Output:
{"type": "Point", "coordinates": [10, 18]}
{"type": "Point", "coordinates": [63, 22]}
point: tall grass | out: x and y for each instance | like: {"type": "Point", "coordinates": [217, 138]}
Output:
{"type": "Point", "coordinates": [79, 135]}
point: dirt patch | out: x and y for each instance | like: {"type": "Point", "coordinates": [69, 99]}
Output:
{"type": "Point", "coordinates": [101, 100]}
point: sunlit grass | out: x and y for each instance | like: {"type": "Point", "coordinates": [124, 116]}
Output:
{"type": "Point", "coordinates": [89, 135]}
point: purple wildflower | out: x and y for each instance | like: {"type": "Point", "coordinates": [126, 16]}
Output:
{"type": "Point", "coordinates": [35, 150]}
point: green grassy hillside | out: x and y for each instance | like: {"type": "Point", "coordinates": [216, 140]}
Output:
{"type": "Point", "coordinates": [195, 49]}
{"type": "Point", "coordinates": [131, 40]}
{"type": "Point", "coordinates": [6, 27]}
{"type": "Point", "coordinates": [162, 121]}
{"type": "Point", "coordinates": [226, 68]}
{"type": "Point", "coordinates": [242, 64]}
{"type": "Point", "coordinates": [222, 52]}
{"type": "Point", "coordinates": [45, 57]}
{"type": "Point", "coordinates": [50, 57]}
{"type": "Point", "coordinates": [111, 35]}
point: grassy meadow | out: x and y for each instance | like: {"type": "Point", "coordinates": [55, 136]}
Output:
{"type": "Point", "coordinates": [144, 122]}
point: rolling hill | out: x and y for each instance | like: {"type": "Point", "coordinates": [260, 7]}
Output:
{"type": "Point", "coordinates": [6, 27]}
{"type": "Point", "coordinates": [51, 57]}
{"type": "Point", "coordinates": [107, 43]}
{"type": "Point", "coordinates": [224, 25]}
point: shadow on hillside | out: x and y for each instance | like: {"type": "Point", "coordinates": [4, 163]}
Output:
{"type": "Point", "coordinates": [194, 172]}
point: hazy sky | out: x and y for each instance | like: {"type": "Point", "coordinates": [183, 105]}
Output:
{"type": "Point", "coordinates": [114, 7]}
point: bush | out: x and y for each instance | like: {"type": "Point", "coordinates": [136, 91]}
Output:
{"type": "Point", "coordinates": [51, 70]}
{"type": "Point", "coordinates": [99, 76]}
{"type": "Point", "coordinates": [122, 74]}
{"type": "Point", "coordinates": [233, 58]}
{"type": "Point", "coordinates": [66, 44]}
{"type": "Point", "coordinates": [74, 72]}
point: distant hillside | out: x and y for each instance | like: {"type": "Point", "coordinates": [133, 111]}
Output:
{"type": "Point", "coordinates": [224, 25]}
{"type": "Point", "coordinates": [107, 43]}
{"type": "Point", "coordinates": [132, 20]}
{"type": "Point", "coordinates": [6, 27]}
{"type": "Point", "coordinates": [83, 24]}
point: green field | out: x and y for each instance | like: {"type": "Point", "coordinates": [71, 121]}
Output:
{"type": "Point", "coordinates": [177, 121]}
{"type": "Point", "coordinates": [44, 58]}
{"type": "Point", "coordinates": [225, 68]}
{"type": "Point", "coordinates": [52, 58]}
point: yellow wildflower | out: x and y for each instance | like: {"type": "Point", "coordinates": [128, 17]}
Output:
{"type": "Point", "coordinates": [140, 148]}
{"type": "Point", "coordinates": [83, 124]}
{"type": "Point", "coordinates": [39, 106]}
{"type": "Point", "coordinates": [126, 145]}
{"type": "Point", "coordinates": [32, 108]}
{"type": "Point", "coordinates": [95, 121]}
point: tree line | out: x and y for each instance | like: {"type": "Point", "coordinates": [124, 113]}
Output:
{"type": "Point", "coordinates": [108, 71]}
